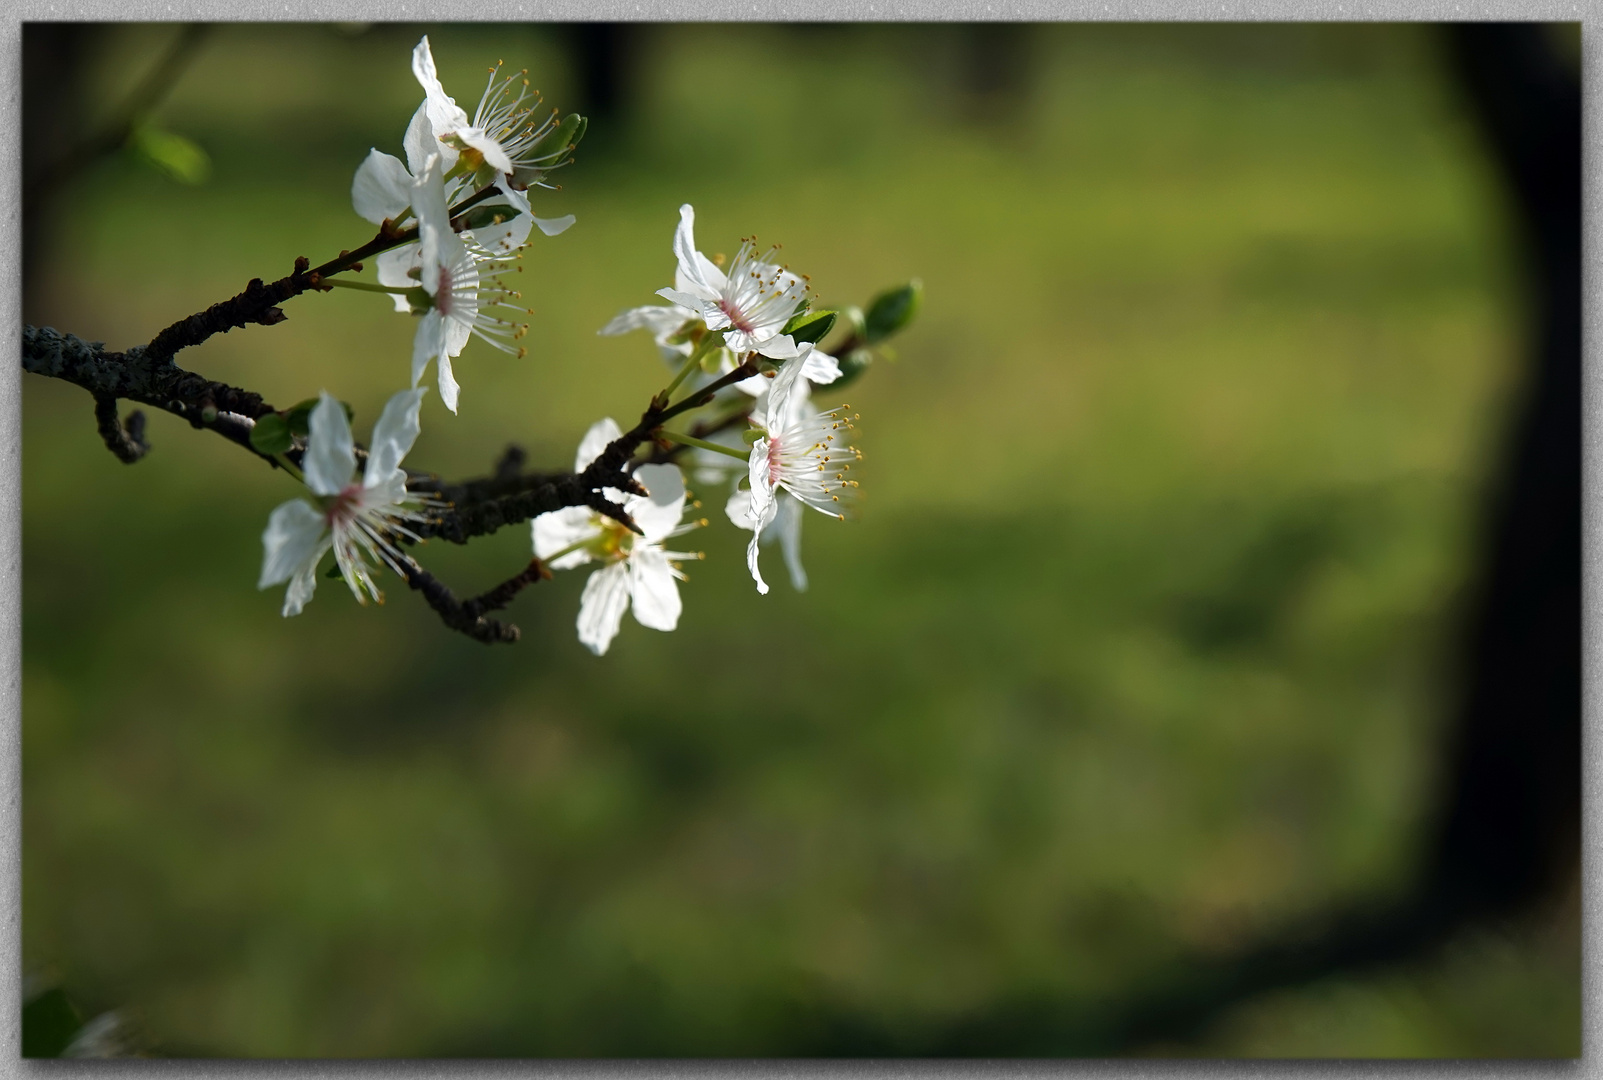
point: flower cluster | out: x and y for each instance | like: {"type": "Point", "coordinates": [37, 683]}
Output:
{"type": "Point", "coordinates": [742, 336]}
{"type": "Point", "coordinates": [451, 279]}
{"type": "Point", "coordinates": [798, 456]}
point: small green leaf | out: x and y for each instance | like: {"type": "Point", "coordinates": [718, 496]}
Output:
{"type": "Point", "coordinates": [299, 416]}
{"type": "Point", "coordinates": [810, 326]}
{"type": "Point", "coordinates": [334, 572]}
{"type": "Point", "coordinates": [892, 311]}
{"type": "Point", "coordinates": [271, 435]}
{"type": "Point", "coordinates": [171, 153]}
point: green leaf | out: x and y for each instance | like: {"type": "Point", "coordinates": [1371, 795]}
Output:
{"type": "Point", "coordinates": [892, 311]}
{"type": "Point", "coordinates": [299, 416]}
{"type": "Point", "coordinates": [334, 572]}
{"type": "Point", "coordinates": [271, 435]}
{"type": "Point", "coordinates": [171, 153]}
{"type": "Point", "coordinates": [810, 326]}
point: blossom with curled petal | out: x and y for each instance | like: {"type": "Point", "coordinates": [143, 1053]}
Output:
{"type": "Point", "coordinates": [751, 303]}
{"type": "Point", "coordinates": [357, 517]}
{"type": "Point", "coordinates": [504, 132]}
{"type": "Point", "coordinates": [802, 452]}
{"type": "Point", "coordinates": [382, 190]}
{"type": "Point", "coordinates": [635, 568]}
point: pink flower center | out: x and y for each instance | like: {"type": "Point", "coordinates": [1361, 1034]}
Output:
{"type": "Point", "coordinates": [736, 317]}
{"type": "Point", "coordinates": [775, 468]}
{"type": "Point", "coordinates": [343, 509]}
{"type": "Point", "coordinates": [442, 296]}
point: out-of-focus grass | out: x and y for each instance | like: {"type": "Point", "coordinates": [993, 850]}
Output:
{"type": "Point", "coordinates": [1136, 650]}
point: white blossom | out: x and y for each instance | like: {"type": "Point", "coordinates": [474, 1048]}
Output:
{"type": "Point", "coordinates": [504, 131]}
{"type": "Point", "coordinates": [801, 452]}
{"type": "Point", "coordinates": [635, 568]}
{"type": "Point", "coordinates": [751, 304]}
{"type": "Point", "coordinates": [462, 296]}
{"type": "Point", "coordinates": [355, 517]}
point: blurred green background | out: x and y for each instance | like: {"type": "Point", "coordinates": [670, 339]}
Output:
{"type": "Point", "coordinates": [1138, 652]}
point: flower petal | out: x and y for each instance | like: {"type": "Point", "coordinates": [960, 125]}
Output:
{"type": "Point", "coordinates": [448, 384]}
{"type": "Point", "coordinates": [653, 589]}
{"type": "Point", "coordinates": [296, 532]}
{"type": "Point", "coordinates": [784, 388]}
{"type": "Point", "coordinates": [494, 155]}
{"type": "Point", "coordinates": [301, 587]}
{"type": "Point", "coordinates": [781, 347]}
{"type": "Point", "coordinates": [395, 268]}
{"type": "Point", "coordinates": [660, 319]}
{"type": "Point", "coordinates": [426, 343]}
{"type": "Point", "coordinates": [684, 249]}
{"type": "Point", "coordinates": [503, 239]}
{"type": "Point", "coordinates": [820, 367]}
{"type": "Point", "coordinates": [751, 564]}
{"type": "Point", "coordinates": [444, 115]}
{"type": "Point", "coordinates": [595, 440]}
{"type": "Point", "coordinates": [382, 187]}
{"type": "Point", "coordinates": [563, 528]}
{"type": "Point", "coordinates": [419, 141]}
{"type": "Point", "coordinates": [601, 607]}
{"type": "Point", "coordinates": [330, 460]}
{"type": "Point", "coordinates": [555, 226]}
{"type": "Point", "coordinates": [658, 515]}
{"type": "Point", "coordinates": [788, 522]}
{"type": "Point", "coordinates": [698, 304]}
{"type": "Point", "coordinates": [393, 436]}
{"type": "Point", "coordinates": [738, 508]}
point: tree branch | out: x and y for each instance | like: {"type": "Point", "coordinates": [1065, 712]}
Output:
{"type": "Point", "coordinates": [128, 443]}
{"type": "Point", "coordinates": [258, 303]}
{"type": "Point", "coordinates": [137, 376]}
{"type": "Point", "coordinates": [468, 616]}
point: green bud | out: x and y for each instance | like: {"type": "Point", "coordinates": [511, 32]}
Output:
{"type": "Point", "coordinates": [892, 311]}
{"type": "Point", "coordinates": [271, 434]}
{"type": "Point", "coordinates": [810, 326]}
{"type": "Point", "coordinates": [557, 142]}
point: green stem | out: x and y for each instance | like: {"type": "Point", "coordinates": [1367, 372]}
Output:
{"type": "Point", "coordinates": [707, 344]}
{"type": "Point", "coordinates": [367, 286]}
{"type": "Point", "coordinates": [703, 444]}
{"type": "Point", "coordinates": [570, 549]}
{"type": "Point", "coordinates": [745, 370]}
{"type": "Point", "coordinates": [289, 467]}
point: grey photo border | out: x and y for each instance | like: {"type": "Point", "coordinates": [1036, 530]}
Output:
{"type": "Point", "coordinates": [11, 1063]}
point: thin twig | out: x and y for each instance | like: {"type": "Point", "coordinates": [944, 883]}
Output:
{"type": "Point", "coordinates": [468, 616]}
{"type": "Point", "coordinates": [128, 443]}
